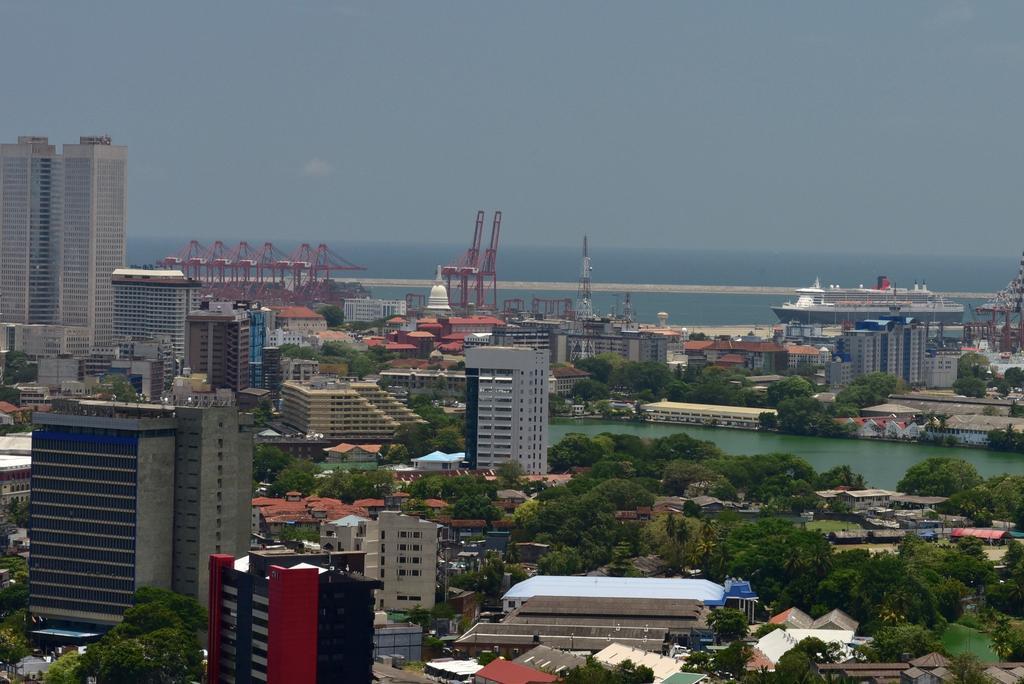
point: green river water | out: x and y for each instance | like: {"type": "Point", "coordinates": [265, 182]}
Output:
{"type": "Point", "coordinates": [881, 463]}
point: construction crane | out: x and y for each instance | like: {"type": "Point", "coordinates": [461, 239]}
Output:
{"type": "Point", "coordinates": [267, 274]}
{"type": "Point", "coordinates": [1008, 306]}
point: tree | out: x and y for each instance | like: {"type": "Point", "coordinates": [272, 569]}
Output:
{"type": "Point", "coordinates": [939, 476]}
{"type": "Point", "coordinates": [733, 659]}
{"type": "Point", "coordinates": [869, 389]}
{"type": "Point", "coordinates": [510, 474]}
{"type": "Point", "coordinates": [973, 365]}
{"type": "Point", "coordinates": [768, 420]}
{"type": "Point", "coordinates": [64, 670]}
{"type": "Point", "coordinates": [333, 314]}
{"type": "Point", "coordinates": [475, 507]}
{"type": "Point", "coordinates": [589, 389]}
{"type": "Point", "coordinates": [576, 449]}
{"type": "Point", "coordinates": [790, 388]}
{"type": "Point", "coordinates": [890, 643]}
{"type": "Point", "coordinates": [117, 387]}
{"type": "Point", "coordinates": [268, 461]}
{"type": "Point", "coordinates": [680, 475]}
{"type": "Point", "coordinates": [299, 476]}
{"type": "Point", "coordinates": [18, 368]}
{"type": "Point", "coordinates": [728, 624]}
{"type": "Point", "coordinates": [13, 645]}
{"type": "Point", "coordinates": [970, 386]}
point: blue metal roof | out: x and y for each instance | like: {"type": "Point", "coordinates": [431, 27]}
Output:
{"type": "Point", "coordinates": [709, 593]}
{"type": "Point", "coordinates": [441, 457]}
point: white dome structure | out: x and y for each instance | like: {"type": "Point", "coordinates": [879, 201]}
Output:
{"type": "Point", "coordinates": [437, 302]}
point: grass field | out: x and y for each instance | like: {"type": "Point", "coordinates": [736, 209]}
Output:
{"type": "Point", "coordinates": [959, 639]}
{"type": "Point", "coordinates": [827, 526]}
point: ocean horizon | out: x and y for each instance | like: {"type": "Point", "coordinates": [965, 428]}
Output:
{"type": "Point", "coordinates": [662, 266]}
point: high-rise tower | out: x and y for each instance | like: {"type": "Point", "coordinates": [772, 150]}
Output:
{"type": "Point", "coordinates": [93, 236]}
{"type": "Point", "coordinates": [31, 207]}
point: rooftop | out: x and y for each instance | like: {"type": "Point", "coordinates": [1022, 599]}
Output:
{"type": "Point", "coordinates": [508, 672]}
{"type": "Point", "coordinates": [706, 408]}
{"type": "Point", "coordinates": [707, 592]}
{"type": "Point", "coordinates": [441, 457]}
{"type": "Point", "coordinates": [295, 312]}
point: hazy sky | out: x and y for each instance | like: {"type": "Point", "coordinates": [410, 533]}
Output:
{"type": "Point", "coordinates": [816, 125]}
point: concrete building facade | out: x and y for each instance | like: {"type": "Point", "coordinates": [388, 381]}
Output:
{"type": "Point", "coordinates": [401, 551]}
{"type": "Point", "coordinates": [31, 210]}
{"type": "Point", "coordinates": [217, 344]}
{"type": "Point", "coordinates": [366, 310]}
{"type": "Point", "coordinates": [153, 304]}
{"type": "Point", "coordinates": [353, 411]}
{"type": "Point", "coordinates": [507, 407]}
{"type": "Point", "coordinates": [132, 495]}
{"type": "Point", "coordinates": [93, 234]}
{"type": "Point", "coordinates": [62, 227]}
{"type": "Point", "coordinates": [896, 345]}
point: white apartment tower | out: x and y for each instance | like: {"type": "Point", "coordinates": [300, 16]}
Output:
{"type": "Point", "coordinates": [507, 407]}
{"type": "Point", "coordinates": [62, 232]}
{"type": "Point", "coordinates": [153, 304]}
{"type": "Point", "coordinates": [31, 206]}
{"type": "Point", "coordinates": [95, 214]}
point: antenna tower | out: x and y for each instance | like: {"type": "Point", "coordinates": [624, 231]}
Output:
{"type": "Point", "coordinates": [584, 299]}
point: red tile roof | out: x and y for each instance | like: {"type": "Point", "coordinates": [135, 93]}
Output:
{"type": "Point", "coordinates": [569, 372]}
{"type": "Point", "coordinates": [435, 503]}
{"type": "Point", "coordinates": [420, 333]}
{"type": "Point", "coordinates": [697, 345]}
{"type": "Point", "coordinates": [8, 407]}
{"type": "Point", "coordinates": [295, 312]}
{"type": "Point", "coordinates": [369, 503]}
{"type": "Point", "coordinates": [507, 672]}
{"type": "Point", "coordinates": [728, 345]}
{"type": "Point", "coordinates": [475, 320]}
{"type": "Point", "coordinates": [283, 511]}
{"type": "Point", "coordinates": [399, 346]}
{"type": "Point", "coordinates": [467, 523]}
{"type": "Point", "coordinates": [730, 358]}
{"type": "Point", "coordinates": [803, 349]}
{"type": "Point", "coordinates": [345, 447]}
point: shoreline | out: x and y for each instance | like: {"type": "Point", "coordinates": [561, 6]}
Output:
{"type": "Point", "coordinates": [666, 288]}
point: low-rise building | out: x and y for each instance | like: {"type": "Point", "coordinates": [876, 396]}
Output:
{"type": "Point", "coordinates": [704, 414]}
{"type": "Point", "coordinates": [299, 370]}
{"type": "Point", "coordinates": [359, 411]}
{"type": "Point", "coordinates": [439, 461]}
{"type": "Point", "coordinates": [401, 551]}
{"type": "Point", "coordinates": [564, 379]}
{"type": "Point", "coordinates": [972, 429]}
{"type": "Point", "coordinates": [367, 310]}
{"type": "Point", "coordinates": [447, 383]}
{"type": "Point", "coordinates": [272, 515]}
{"type": "Point", "coordinates": [299, 319]}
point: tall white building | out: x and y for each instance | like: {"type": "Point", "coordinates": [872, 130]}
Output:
{"type": "Point", "coordinates": [31, 206]}
{"type": "Point", "coordinates": [507, 407]}
{"type": "Point", "coordinates": [153, 304]}
{"type": "Point", "coordinates": [62, 232]}
{"type": "Point", "coordinates": [93, 242]}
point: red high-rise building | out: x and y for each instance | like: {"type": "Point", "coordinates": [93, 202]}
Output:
{"type": "Point", "coordinates": [283, 617]}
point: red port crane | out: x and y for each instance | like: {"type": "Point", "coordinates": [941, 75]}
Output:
{"type": "Point", "coordinates": [476, 272]}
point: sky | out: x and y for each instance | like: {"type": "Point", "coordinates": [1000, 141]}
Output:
{"type": "Point", "coordinates": [827, 126]}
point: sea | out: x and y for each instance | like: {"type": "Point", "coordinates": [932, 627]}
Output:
{"type": "Point", "coordinates": [665, 265]}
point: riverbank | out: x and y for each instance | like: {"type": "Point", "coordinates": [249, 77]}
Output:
{"type": "Point", "coordinates": [881, 463]}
